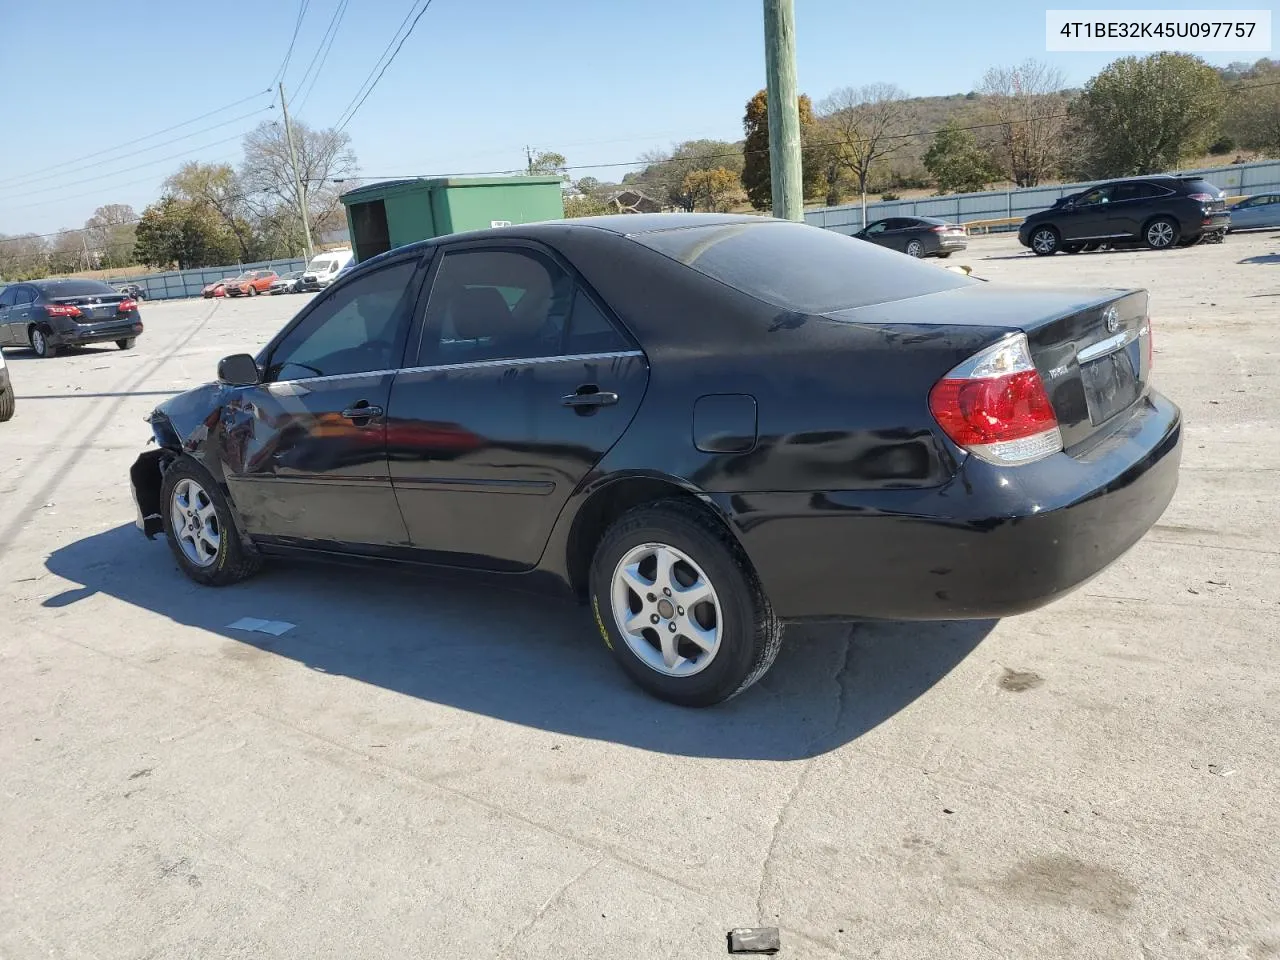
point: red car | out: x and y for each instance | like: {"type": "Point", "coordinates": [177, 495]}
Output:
{"type": "Point", "coordinates": [218, 288]}
{"type": "Point", "coordinates": [251, 284]}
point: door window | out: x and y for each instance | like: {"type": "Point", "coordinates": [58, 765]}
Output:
{"type": "Point", "coordinates": [7, 295]}
{"type": "Point", "coordinates": [590, 331]}
{"type": "Point", "coordinates": [24, 295]}
{"type": "Point", "coordinates": [876, 228]}
{"type": "Point", "coordinates": [358, 328]}
{"type": "Point", "coordinates": [497, 305]}
{"type": "Point", "coordinates": [1094, 197]}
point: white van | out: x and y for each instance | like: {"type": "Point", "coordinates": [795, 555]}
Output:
{"type": "Point", "coordinates": [323, 268]}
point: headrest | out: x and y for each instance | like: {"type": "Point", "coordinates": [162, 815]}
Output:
{"type": "Point", "coordinates": [480, 312]}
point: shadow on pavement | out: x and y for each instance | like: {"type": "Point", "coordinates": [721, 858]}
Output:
{"type": "Point", "coordinates": [528, 660]}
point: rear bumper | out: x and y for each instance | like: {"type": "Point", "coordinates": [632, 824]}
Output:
{"type": "Point", "coordinates": [992, 542]}
{"type": "Point", "coordinates": [95, 333]}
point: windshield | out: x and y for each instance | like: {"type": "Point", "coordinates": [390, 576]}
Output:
{"type": "Point", "coordinates": [319, 264]}
{"type": "Point", "coordinates": [798, 267]}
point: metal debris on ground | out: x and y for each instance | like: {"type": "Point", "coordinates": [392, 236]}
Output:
{"type": "Point", "coordinates": [274, 627]}
{"type": "Point", "coordinates": [754, 940]}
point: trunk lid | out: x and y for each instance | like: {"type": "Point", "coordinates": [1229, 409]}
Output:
{"type": "Point", "coordinates": [93, 308]}
{"type": "Point", "coordinates": [1090, 346]}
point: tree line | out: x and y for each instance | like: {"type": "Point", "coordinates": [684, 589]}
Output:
{"type": "Point", "coordinates": [208, 214]}
{"type": "Point", "coordinates": [1021, 126]}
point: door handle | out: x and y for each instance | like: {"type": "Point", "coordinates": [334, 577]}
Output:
{"type": "Point", "coordinates": [362, 411]}
{"type": "Point", "coordinates": [589, 397]}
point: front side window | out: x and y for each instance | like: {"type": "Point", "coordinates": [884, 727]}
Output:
{"type": "Point", "coordinates": [7, 295]}
{"type": "Point", "coordinates": [1101, 195]}
{"type": "Point", "coordinates": [878, 227]}
{"type": "Point", "coordinates": [24, 296]}
{"type": "Point", "coordinates": [358, 328]}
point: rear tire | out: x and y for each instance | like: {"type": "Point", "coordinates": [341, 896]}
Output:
{"type": "Point", "coordinates": [39, 339]}
{"type": "Point", "coordinates": [737, 634]}
{"type": "Point", "coordinates": [1161, 233]}
{"type": "Point", "coordinates": [1045, 241]}
{"type": "Point", "coordinates": [200, 527]}
{"type": "Point", "coordinates": [7, 404]}
{"type": "Point", "coordinates": [915, 249]}
{"type": "Point", "coordinates": [127, 344]}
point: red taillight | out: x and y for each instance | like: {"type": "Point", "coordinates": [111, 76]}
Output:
{"type": "Point", "coordinates": [127, 305]}
{"type": "Point", "coordinates": [995, 406]}
{"type": "Point", "coordinates": [1203, 197]}
{"type": "Point", "coordinates": [61, 310]}
{"type": "Point", "coordinates": [941, 229]}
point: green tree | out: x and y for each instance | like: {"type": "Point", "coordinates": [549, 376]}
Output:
{"type": "Point", "coordinates": [957, 163]}
{"type": "Point", "coordinates": [548, 164]}
{"type": "Point", "coordinates": [585, 205]}
{"type": "Point", "coordinates": [757, 178]}
{"type": "Point", "coordinates": [217, 186]}
{"type": "Point", "coordinates": [1141, 116]}
{"type": "Point", "coordinates": [663, 176]}
{"type": "Point", "coordinates": [183, 233]}
{"type": "Point", "coordinates": [1252, 117]}
{"type": "Point", "coordinates": [709, 187]}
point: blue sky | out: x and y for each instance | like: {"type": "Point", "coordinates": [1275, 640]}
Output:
{"type": "Point", "coordinates": [598, 81]}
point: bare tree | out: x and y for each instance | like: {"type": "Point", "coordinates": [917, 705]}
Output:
{"type": "Point", "coordinates": [23, 257]}
{"type": "Point", "coordinates": [867, 126]}
{"type": "Point", "coordinates": [1029, 105]}
{"type": "Point", "coordinates": [110, 234]}
{"type": "Point", "coordinates": [267, 176]}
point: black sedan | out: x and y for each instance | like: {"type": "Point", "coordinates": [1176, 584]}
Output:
{"type": "Point", "coordinates": [703, 426]}
{"type": "Point", "coordinates": [917, 236]}
{"type": "Point", "coordinates": [47, 315]}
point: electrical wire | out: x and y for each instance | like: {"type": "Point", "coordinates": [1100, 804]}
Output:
{"type": "Point", "coordinates": [358, 101]}
{"type": "Point", "coordinates": [129, 143]}
{"type": "Point", "coordinates": [297, 25]}
{"type": "Point", "coordinates": [322, 51]}
{"type": "Point", "coordinates": [125, 156]}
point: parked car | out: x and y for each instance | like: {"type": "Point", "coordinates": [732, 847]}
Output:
{"type": "Point", "coordinates": [917, 236]}
{"type": "Point", "coordinates": [47, 315]}
{"type": "Point", "coordinates": [1254, 212]}
{"type": "Point", "coordinates": [218, 288]}
{"type": "Point", "coordinates": [701, 425]}
{"type": "Point", "coordinates": [324, 267]}
{"type": "Point", "coordinates": [286, 283]}
{"type": "Point", "coordinates": [1160, 211]}
{"type": "Point", "coordinates": [7, 399]}
{"type": "Point", "coordinates": [134, 290]}
{"type": "Point", "coordinates": [251, 284]}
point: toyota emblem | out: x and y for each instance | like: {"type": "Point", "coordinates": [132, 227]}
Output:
{"type": "Point", "coordinates": [1111, 319]}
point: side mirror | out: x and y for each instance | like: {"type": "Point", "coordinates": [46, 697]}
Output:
{"type": "Point", "coordinates": [239, 370]}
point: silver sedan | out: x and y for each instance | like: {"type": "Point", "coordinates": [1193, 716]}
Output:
{"type": "Point", "coordinates": [1262, 210]}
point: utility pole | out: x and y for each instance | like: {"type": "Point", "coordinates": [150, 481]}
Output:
{"type": "Point", "coordinates": [784, 109]}
{"type": "Point", "coordinates": [298, 183]}
{"type": "Point", "coordinates": [528, 156]}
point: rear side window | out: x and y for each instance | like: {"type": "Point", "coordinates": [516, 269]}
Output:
{"type": "Point", "coordinates": [797, 267]}
{"type": "Point", "coordinates": [25, 295]}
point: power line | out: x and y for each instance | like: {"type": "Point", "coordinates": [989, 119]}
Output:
{"type": "Point", "coordinates": [129, 143]}
{"type": "Point", "coordinates": [297, 25]}
{"type": "Point", "coordinates": [322, 51]}
{"type": "Point", "coordinates": [125, 156]}
{"type": "Point", "coordinates": [358, 101]}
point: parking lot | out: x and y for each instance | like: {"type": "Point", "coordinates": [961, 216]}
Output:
{"type": "Point", "coordinates": [428, 769]}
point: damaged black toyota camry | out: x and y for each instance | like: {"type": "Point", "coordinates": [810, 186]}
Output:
{"type": "Point", "coordinates": [703, 426]}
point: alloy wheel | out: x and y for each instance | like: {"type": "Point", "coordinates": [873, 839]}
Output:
{"type": "Point", "coordinates": [194, 520]}
{"type": "Point", "coordinates": [666, 609]}
{"type": "Point", "coordinates": [1044, 241]}
{"type": "Point", "coordinates": [915, 249]}
{"type": "Point", "coordinates": [1160, 233]}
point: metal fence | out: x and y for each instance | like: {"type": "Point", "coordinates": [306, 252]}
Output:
{"type": "Point", "coordinates": [174, 284]}
{"type": "Point", "coordinates": [1237, 179]}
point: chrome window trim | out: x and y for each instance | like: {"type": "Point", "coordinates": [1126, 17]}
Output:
{"type": "Point", "coordinates": [559, 358]}
{"type": "Point", "coordinates": [471, 364]}
{"type": "Point", "coordinates": [1109, 345]}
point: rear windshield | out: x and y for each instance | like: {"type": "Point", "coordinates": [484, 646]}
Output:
{"type": "Point", "coordinates": [76, 288]}
{"type": "Point", "coordinates": [1203, 186]}
{"type": "Point", "coordinates": [801, 268]}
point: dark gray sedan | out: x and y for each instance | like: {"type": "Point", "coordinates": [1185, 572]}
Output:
{"type": "Point", "coordinates": [917, 236]}
{"type": "Point", "coordinates": [47, 315]}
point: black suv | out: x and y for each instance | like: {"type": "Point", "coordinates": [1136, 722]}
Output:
{"type": "Point", "coordinates": [1161, 212]}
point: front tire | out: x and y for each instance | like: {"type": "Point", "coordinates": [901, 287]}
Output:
{"type": "Point", "coordinates": [253, 291]}
{"type": "Point", "coordinates": [200, 528]}
{"type": "Point", "coordinates": [1161, 233]}
{"type": "Point", "coordinates": [915, 249]}
{"type": "Point", "coordinates": [127, 344]}
{"type": "Point", "coordinates": [1045, 241]}
{"type": "Point", "coordinates": [679, 605]}
{"type": "Point", "coordinates": [8, 403]}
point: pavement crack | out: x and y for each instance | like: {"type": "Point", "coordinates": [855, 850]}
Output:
{"type": "Point", "coordinates": [550, 902]}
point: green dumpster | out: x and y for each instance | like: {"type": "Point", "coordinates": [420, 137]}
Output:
{"type": "Point", "coordinates": [390, 214]}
